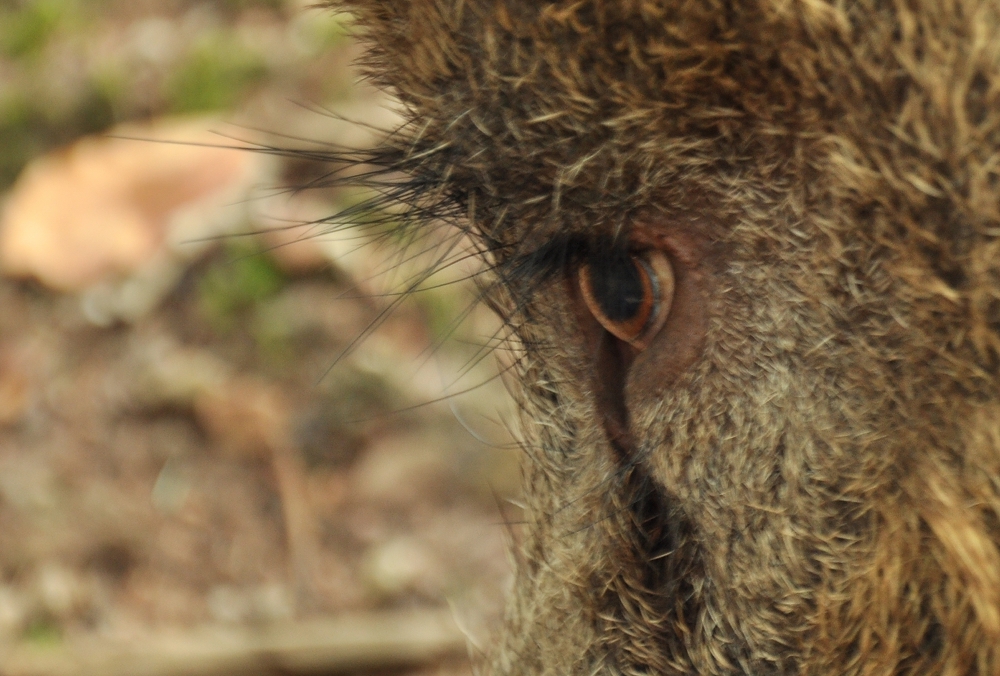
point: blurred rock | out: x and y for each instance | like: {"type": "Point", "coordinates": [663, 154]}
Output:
{"type": "Point", "coordinates": [28, 485]}
{"type": "Point", "coordinates": [261, 604]}
{"type": "Point", "coordinates": [166, 374]}
{"type": "Point", "coordinates": [60, 590]}
{"type": "Point", "coordinates": [13, 611]}
{"type": "Point", "coordinates": [155, 39]}
{"type": "Point", "coordinates": [401, 565]}
{"type": "Point", "coordinates": [270, 602]}
{"type": "Point", "coordinates": [172, 487]}
{"type": "Point", "coordinates": [227, 604]}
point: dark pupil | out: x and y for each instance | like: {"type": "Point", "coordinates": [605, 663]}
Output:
{"type": "Point", "coordinates": [617, 286]}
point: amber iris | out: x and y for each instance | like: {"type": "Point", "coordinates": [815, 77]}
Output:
{"type": "Point", "coordinates": [630, 295]}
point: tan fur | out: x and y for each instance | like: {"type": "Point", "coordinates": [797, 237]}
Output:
{"type": "Point", "coordinates": [819, 492]}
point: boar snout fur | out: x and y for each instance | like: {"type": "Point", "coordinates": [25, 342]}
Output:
{"type": "Point", "coordinates": [800, 474]}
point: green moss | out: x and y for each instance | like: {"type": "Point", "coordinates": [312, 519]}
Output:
{"type": "Point", "coordinates": [239, 282]}
{"type": "Point", "coordinates": [236, 6]}
{"type": "Point", "coordinates": [27, 129]}
{"type": "Point", "coordinates": [274, 339]}
{"type": "Point", "coordinates": [43, 632]}
{"type": "Point", "coordinates": [27, 25]}
{"type": "Point", "coordinates": [325, 29]}
{"type": "Point", "coordinates": [18, 140]}
{"type": "Point", "coordinates": [442, 308]}
{"type": "Point", "coordinates": [214, 76]}
{"type": "Point", "coordinates": [94, 111]}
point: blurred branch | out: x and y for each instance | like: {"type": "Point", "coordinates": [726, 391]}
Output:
{"type": "Point", "coordinates": [334, 645]}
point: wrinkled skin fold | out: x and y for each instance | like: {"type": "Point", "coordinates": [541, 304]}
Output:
{"type": "Point", "coordinates": [800, 474]}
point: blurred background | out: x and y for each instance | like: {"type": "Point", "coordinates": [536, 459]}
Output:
{"type": "Point", "coordinates": [228, 444]}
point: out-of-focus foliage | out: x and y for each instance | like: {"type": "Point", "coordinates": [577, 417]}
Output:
{"type": "Point", "coordinates": [25, 25]}
{"type": "Point", "coordinates": [214, 75]}
{"type": "Point", "coordinates": [75, 67]}
{"type": "Point", "coordinates": [250, 420]}
{"type": "Point", "coordinates": [236, 284]}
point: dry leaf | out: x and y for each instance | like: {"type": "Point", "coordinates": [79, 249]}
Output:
{"type": "Point", "coordinates": [105, 207]}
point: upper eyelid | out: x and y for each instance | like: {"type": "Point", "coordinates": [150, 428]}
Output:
{"type": "Point", "coordinates": [555, 257]}
{"type": "Point", "coordinates": [550, 259]}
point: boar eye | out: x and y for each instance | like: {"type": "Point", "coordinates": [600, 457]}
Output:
{"type": "Point", "coordinates": [629, 295]}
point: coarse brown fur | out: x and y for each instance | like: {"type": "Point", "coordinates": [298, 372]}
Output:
{"type": "Point", "coordinates": [818, 490]}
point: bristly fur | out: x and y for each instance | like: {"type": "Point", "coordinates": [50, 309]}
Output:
{"type": "Point", "coordinates": [820, 492]}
